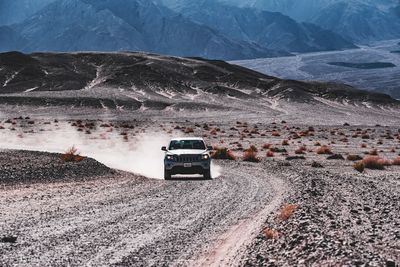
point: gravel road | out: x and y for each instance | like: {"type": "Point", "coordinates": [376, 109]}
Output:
{"type": "Point", "coordinates": [120, 219]}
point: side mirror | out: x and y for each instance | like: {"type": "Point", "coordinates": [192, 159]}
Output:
{"type": "Point", "coordinates": [164, 148]}
{"type": "Point", "coordinates": [209, 148]}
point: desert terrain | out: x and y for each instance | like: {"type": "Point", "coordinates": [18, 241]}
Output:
{"type": "Point", "coordinates": [304, 174]}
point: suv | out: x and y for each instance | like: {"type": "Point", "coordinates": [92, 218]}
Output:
{"type": "Point", "coordinates": [187, 156]}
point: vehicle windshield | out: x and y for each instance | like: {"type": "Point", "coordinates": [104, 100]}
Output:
{"type": "Point", "coordinates": [187, 144]}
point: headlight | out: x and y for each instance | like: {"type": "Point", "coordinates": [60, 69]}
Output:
{"type": "Point", "coordinates": [205, 156]}
{"type": "Point", "coordinates": [170, 157]}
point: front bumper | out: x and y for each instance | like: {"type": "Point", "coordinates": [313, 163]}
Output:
{"type": "Point", "coordinates": [180, 168]}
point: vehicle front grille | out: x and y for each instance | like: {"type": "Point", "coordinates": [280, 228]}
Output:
{"type": "Point", "coordinates": [188, 158]}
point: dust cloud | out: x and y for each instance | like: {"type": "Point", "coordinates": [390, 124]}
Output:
{"type": "Point", "coordinates": [140, 154]}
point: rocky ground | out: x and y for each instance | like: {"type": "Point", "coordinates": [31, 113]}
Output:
{"type": "Point", "coordinates": [295, 207]}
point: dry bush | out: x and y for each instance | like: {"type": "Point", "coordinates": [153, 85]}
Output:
{"type": "Point", "coordinates": [287, 211]}
{"type": "Point", "coordinates": [270, 154]}
{"type": "Point", "coordinates": [317, 144]}
{"type": "Point", "coordinates": [396, 161]}
{"type": "Point", "coordinates": [359, 166]}
{"type": "Point", "coordinates": [276, 134]}
{"type": "Point", "coordinates": [285, 142]}
{"type": "Point", "coordinates": [375, 163]}
{"type": "Point", "coordinates": [250, 156]}
{"type": "Point", "coordinates": [300, 150]}
{"type": "Point", "coordinates": [223, 153]}
{"type": "Point", "coordinates": [72, 155]}
{"type": "Point", "coordinates": [373, 152]}
{"type": "Point", "coordinates": [270, 233]}
{"type": "Point", "coordinates": [354, 157]}
{"type": "Point", "coordinates": [324, 150]}
{"type": "Point", "coordinates": [266, 146]}
{"type": "Point", "coordinates": [363, 145]}
{"type": "Point", "coordinates": [189, 130]}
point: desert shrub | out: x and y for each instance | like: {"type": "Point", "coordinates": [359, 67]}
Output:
{"type": "Point", "coordinates": [223, 153]}
{"type": "Point", "coordinates": [373, 152]}
{"type": "Point", "coordinates": [363, 145]}
{"type": "Point", "coordinates": [285, 142]}
{"type": "Point", "coordinates": [324, 150]}
{"type": "Point", "coordinates": [266, 146]}
{"type": "Point", "coordinates": [250, 156]}
{"type": "Point", "coordinates": [300, 150]}
{"type": "Point", "coordinates": [354, 157]}
{"type": "Point", "coordinates": [287, 211]}
{"type": "Point", "coordinates": [270, 233]}
{"type": "Point", "coordinates": [276, 134]}
{"type": "Point", "coordinates": [270, 154]}
{"type": "Point", "coordinates": [396, 161]}
{"type": "Point", "coordinates": [359, 166]}
{"type": "Point", "coordinates": [375, 163]}
{"type": "Point", "coordinates": [71, 155]}
{"type": "Point", "coordinates": [189, 130]}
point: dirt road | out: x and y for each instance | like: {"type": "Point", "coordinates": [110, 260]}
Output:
{"type": "Point", "coordinates": [121, 219]}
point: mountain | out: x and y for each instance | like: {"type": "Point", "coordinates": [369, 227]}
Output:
{"type": "Point", "coordinates": [11, 40]}
{"type": "Point", "coordinates": [16, 11]}
{"type": "Point", "coordinates": [357, 20]}
{"type": "Point", "coordinates": [272, 30]}
{"type": "Point", "coordinates": [135, 81]}
{"type": "Point", "coordinates": [120, 25]}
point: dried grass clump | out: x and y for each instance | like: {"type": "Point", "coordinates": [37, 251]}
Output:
{"type": "Point", "coordinates": [354, 157]}
{"type": "Point", "coordinates": [223, 153]}
{"type": "Point", "coordinates": [324, 150]}
{"type": "Point", "coordinates": [285, 142]}
{"type": "Point", "coordinates": [189, 130]}
{"type": "Point", "coordinates": [287, 211]}
{"type": "Point", "coordinates": [250, 156]}
{"type": "Point", "coordinates": [396, 161]}
{"type": "Point", "coordinates": [270, 233]}
{"type": "Point", "coordinates": [359, 166]}
{"type": "Point", "coordinates": [266, 146]}
{"type": "Point", "coordinates": [71, 155]}
{"type": "Point", "coordinates": [300, 150]}
{"type": "Point", "coordinates": [270, 154]}
{"type": "Point", "coordinates": [373, 152]}
{"type": "Point", "coordinates": [375, 163]}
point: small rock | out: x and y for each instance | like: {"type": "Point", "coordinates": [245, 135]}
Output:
{"type": "Point", "coordinates": [9, 239]}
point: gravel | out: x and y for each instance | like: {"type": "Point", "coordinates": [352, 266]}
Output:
{"type": "Point", "coordinates": [343, 218]}
{"type": "Point", "coordinates": [33, 167]}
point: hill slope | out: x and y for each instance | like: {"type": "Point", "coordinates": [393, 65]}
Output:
{"type": "Point", "coordinates": [137, 80]}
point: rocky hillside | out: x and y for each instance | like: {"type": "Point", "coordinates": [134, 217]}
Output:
{"type": "Point", "coordinates": [137, 80]}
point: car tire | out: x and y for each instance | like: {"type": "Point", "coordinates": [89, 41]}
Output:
{"type": "Point", "coordinates": [167, 175]}
{"type": "Point", "coordinates": [207, 174]}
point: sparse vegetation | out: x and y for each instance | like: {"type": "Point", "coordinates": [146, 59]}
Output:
{"type": "Point", "coordinates": [375, 163]}
{"type": "Point", "coordinates": [223, 153]}
{"type": "Point", "coordinates": [354, 157]}
{"type": "Point", "coordinates": [270, 233]}
{"type": "Point", "coordinates": [324, 150]}
{"type": "Point", "coordinates": [287, 211]}
{"type": "Point", "coordinates": [72, 155]}
{"type": "Point", "coordinates": [359, 166]}
{"type": "Point", "coordinates": [250, 156]}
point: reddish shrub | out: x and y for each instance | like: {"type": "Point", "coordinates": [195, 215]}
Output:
{"type": "Point", "coordinates": [285, 142]}
{"type": "Point", "coordinates": [71, 155]}
{"type": "Point", "coordinates": [270, 154]}
{"type": "Point", "coordinates": [223, 153]}
{"type": "Point", "coordinates": [324, 150]}
{"type": "Point", "coordinates": [287, 211]}
{"type": "Point", "coordinates": [267, 146]}
{"type": "Point", "coordinates": [271, 233]}
{"type": "Point", "coordinates": [250, 156]}
{"type": "Point", "coordinates": [396, 161]}
{"type": "Point", "coordinates": [375, 163]}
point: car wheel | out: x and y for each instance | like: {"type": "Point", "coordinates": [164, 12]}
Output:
{"type": "Point", "coordinates": [167, 175]}
{"type": "Point", "coordinates": [207, 174]}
